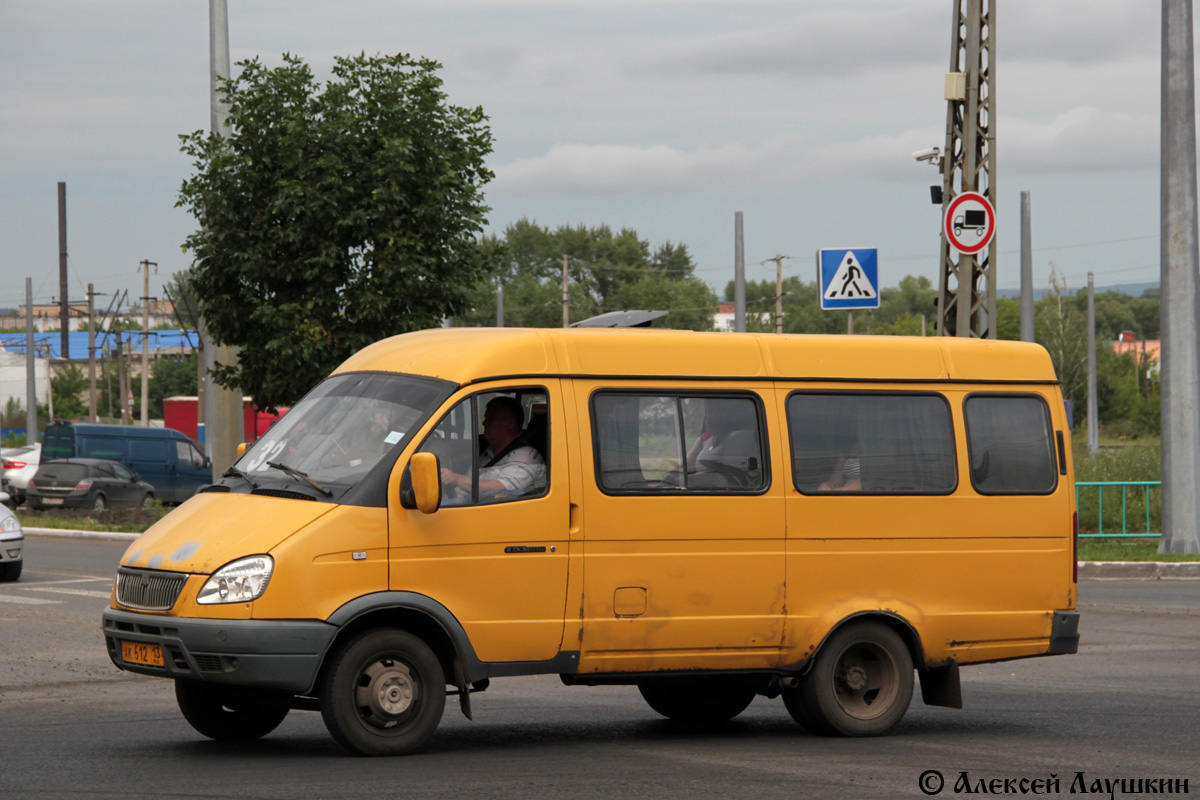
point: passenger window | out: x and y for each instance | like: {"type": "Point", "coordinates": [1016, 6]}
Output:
{"type": "Point", "coordinates": [871, 443]}
{"type": "Point", "coordinates": [673, 443]}
{"type": "Point", "coordinates": [187, 455]}
{"type": "Point", "coordinates": [1011, 444]}
{"type": "Point", "coordinates": [121, 472]}
{"type": "Point", "coordinates": [493, 447]}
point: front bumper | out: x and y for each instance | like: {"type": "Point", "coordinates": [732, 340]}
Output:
{"type": "Point", "coordinates": [1064, 633]}
{"type": "Point", "coordinates": [11, 549]}
{"type": "Point", "coordinates": [265, 654]}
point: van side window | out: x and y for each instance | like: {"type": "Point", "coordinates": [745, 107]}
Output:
{"type": "Point", "coordinates": [186, 454]}
{"type": "Point", "coordinates": [493, 447]}
{"type": "Point", "coordinates": [101, 447]}
{"type": "Point", "coordinates": [1011, 443]}
{"type": "Point", "coordinates": [871, 443]}
{"type": "Point", "coordinates": [669, 443]}
{"type": "Point", "coordinates": [148, 450]}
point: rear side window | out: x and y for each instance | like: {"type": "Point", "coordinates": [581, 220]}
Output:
{"type": "Point", "coordinates": [871, 443]}
{"type": "Point", "coordinates": [650, 443]}
{"type": "Point", "coordinates": [1011, 443]}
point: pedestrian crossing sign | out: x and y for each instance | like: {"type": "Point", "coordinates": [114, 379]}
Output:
{"type": "Point", "coordinates": [849, 278]}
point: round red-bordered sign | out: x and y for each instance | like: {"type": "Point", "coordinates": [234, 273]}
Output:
{"type": "Point", "coordinates": [969, 222]}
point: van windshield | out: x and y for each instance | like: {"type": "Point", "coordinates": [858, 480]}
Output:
{"type": "Point", "coordinates": [342, 429]}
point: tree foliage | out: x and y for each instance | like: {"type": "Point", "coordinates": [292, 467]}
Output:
{"type": "Point", "coordinates": [606, 271]}
{"type": "Point", "coordinates": [334, 215]}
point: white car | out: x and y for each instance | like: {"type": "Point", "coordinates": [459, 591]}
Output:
{"type": "Point", "coordinates": [20, 464]}
{"type": "Point", "coordinates": [12, 542]}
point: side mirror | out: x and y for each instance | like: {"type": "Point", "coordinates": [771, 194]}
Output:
{"type": "Point", "coordinates": [421, 484]}
{"type": "Point", "coordinates": [241, 449]}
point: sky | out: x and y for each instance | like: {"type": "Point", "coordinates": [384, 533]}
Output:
{"type": "Point", "coordinates": [664, 116]}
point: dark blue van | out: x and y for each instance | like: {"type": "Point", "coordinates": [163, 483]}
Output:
{"type": "Point", "coordinates": [164, 458]}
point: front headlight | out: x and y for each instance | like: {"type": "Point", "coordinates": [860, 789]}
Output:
{"type": "Point", "coordinates": [238, 581]}
{"type": "Point", "coordinates": [10, 524]}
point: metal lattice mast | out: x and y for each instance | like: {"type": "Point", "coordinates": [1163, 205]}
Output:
{"type": "Point", "coordinates": [967, 283]}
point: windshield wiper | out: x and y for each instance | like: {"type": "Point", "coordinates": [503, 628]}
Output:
{"type": "Point", "coordinates": [234, 472]}
{"type": "Point", "coordinates": [302, 476]}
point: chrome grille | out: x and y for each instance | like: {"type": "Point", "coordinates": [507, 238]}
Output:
{"type": "Point", "coordinates": [147, 589]}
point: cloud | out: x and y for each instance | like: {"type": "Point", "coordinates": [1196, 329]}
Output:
{"type": "Point", "coordinates": [611, 169]}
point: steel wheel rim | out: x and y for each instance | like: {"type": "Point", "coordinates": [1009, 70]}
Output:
{"type": "Point", "coordinates": [866, 680]}
{"type": "Point", "coordinates": [386, 692]}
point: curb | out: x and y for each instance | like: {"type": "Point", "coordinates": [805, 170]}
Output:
{"type": "Point", "coordinates": [68, 533]}
{"type": "Point", "coordinates": [1138, 570]}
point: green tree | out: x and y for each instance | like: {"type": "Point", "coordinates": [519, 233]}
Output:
{"type": "Point", "coordinates": [606, 271]}
{"type": "Point", "coordinates": [66, 386]}
{"type": "Point", "coordinates": [1062, 330]}
{"type": "Point", "coordinates": [172, 377]}
{"type": "Point", "coordinates": [334, 215]}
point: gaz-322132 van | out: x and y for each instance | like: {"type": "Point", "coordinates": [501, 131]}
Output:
{"type": "Point", "coordinates": [708, 517]}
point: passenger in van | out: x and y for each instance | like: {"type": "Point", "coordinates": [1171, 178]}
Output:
{"type": "Point", "coordinates": [508, 464]}
{"type": "Point", "coordinates": [846, 476]}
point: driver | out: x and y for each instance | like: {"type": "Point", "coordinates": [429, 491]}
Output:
{"type": "Point", "coordinates": [508, 465]}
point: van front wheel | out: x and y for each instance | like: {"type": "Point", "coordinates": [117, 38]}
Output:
{"type": "Point", "coordinates": [860, 684]}
{"type": "Point", "coordinates": [230, 713]}
{"type": "Point", "coordinates": [699, 699]}
{"type": "Point", "coordinates": [383, 694]}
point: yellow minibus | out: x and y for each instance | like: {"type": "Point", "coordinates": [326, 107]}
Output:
{"type": "Point", "coordinates": [706, 516]}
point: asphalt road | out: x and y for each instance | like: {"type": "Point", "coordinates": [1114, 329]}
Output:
{"type": "Point", "coordinates": [70, 724]}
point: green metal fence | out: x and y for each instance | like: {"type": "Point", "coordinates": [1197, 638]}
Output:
{"type": "Point", "coordinates": [1137, 510]}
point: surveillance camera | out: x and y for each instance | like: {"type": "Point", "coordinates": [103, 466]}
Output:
{"type": "Point", "coordinates": [928, 154]}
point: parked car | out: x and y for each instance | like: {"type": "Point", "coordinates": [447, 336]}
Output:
{"type": "Point", "coordinates": [20, 464]}
{"type": "Point", "coordinates": [165, 458]}
{"type": "Point", "coordinates": [95, 483]}
{"type": "Point", "coordinates": [12, 542]}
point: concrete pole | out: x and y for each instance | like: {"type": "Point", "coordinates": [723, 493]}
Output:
{"type": "Point", "coordinates": [499, 303]}
{"type": "Point", "coordinates": [146, 342]}
{"type": "Point", "coordinates": [779, 293]}
{"type": "Point", "coordinates": [225, 426]}
{"type": "Point", "coordinates": [92, 354]}
{"type": "Point", "coordinates": [1093, 423]}
{"type": "Point", "coordinates": [31, 424]}
{"type": "Point", "coordinates": [1180, 260]}
{"type": "Point", "coordinates": [1026, 272]}
{"type": "Point", "coordinates": [64, 308]}
{"type": "Point", "coordinates": [739, 275]}
{"type": "Point", "coordinates": [565, 299]}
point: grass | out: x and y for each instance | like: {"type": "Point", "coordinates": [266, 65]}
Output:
{"type": "Point", "coordinates": [122, 520]}
{"type": "Point", "coordinates": [1127, 550]}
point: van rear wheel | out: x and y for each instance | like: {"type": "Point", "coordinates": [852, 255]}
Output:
{"type": "Point", "coordinates": [703, 700]}
{"type": "Point", "coordinates": [860, 684]}
{"type": "Point", "coordinates": [383, 694]}
{"type": "Point", "coordinates": [230, 713]}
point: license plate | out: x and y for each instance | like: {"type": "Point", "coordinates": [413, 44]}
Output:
{"type": "Point", "coordinates": [52, 501]}
{"type": "Point", "coordinates": [142, 653]}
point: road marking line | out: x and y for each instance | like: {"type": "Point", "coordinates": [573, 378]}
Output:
{"type": "Point", "coordinates": [79, 592]}
{"type": "Point", "coordinates": [77, 580]}
{"type": "Point", "coordinates": [26, 601]}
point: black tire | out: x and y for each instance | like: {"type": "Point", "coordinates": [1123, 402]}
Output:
{"type": "Point", "coordinates": [700, 700]}
{"type": "Point", "coordinates": [230, 713]}
{"type": "Point", "coordinates": [147, 501]}
{"type": "Point", "coordinates": [10, 571]}
{"type": "Point", "coordinates": [860, 684]}
{"type": "Point", "coordinates": [383, 693]}
{"type": "Point", "coordinates": [99, 504]}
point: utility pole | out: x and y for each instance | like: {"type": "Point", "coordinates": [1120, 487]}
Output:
{"type": "Point", "coordinates": [778, 259]}
{"type": "Point", "coordinates": [565, 299]}
{"type": "Point", "coordinates": [739, 275]}
{"type": "Point", "coordinates": [146, 265]}
{"type": "Point", "coordinates": [91, 295]}
{"type": "Point", "coordinates": [967, 286]}
{"type": "Point", "coordinates": [225, 427]}
{"type": "Point", "coordinates": [1178, 273]}
{"type": "Point", "coordinates": [1026, 271]}
{"type": "Point", "coordinates": [499, 302]}
{"type": "Point", "coordinates": [1093, 423]}
{"type": "Point", "coordinates": [64, 308]}
{"type": "Point", "coordinates": [31, 424]}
